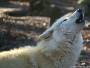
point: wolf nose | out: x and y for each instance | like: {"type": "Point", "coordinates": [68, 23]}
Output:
{"type": "Point", "coordinates": [79, 10]}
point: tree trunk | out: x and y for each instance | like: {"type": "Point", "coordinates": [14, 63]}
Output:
{"type": "Point", "coordinates": [56, 13]}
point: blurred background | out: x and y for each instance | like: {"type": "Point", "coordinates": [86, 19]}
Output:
{"type": "Point", "coordinates": [22, 21]}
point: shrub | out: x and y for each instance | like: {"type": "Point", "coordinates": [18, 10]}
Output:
{"type": "Point", "coordinates": [86, 5]}
{"type": "Point", "coordinates": [39, 8]}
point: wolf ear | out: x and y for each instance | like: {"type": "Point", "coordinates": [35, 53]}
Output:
{"type": "Point", "coordinates": [46, 35]}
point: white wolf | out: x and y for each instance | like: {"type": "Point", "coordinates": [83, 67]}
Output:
{"type": "Point", "coordinates": [60, 46]}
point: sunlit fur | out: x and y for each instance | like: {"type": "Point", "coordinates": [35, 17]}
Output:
{"type": "Point", "coordinates": [60, 47]}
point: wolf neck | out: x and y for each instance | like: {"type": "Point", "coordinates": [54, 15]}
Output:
{"type": "Point", "coordinates": [55, 51]}
{"type": "Point", "coordinates": [60, 50]}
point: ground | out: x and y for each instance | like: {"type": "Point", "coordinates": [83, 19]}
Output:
{"type": "Point", "coordinates": [17, 29]}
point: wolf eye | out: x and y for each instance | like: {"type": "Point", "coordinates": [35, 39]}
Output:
{"type": "Point", "coordinates": [64, 20]}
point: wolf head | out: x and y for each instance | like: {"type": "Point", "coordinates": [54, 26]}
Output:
{"type": "Point", "coordinates": [65, 26]}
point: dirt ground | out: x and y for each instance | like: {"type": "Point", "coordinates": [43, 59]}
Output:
{"type": "Point", "coordinates": [18, 30]}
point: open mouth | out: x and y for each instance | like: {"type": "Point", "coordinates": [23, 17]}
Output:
{"type": "Point", "coordinates": [81, 17]}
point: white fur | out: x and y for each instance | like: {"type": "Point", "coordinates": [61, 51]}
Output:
{"type": "Point", "coordinates": [60, 47]}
